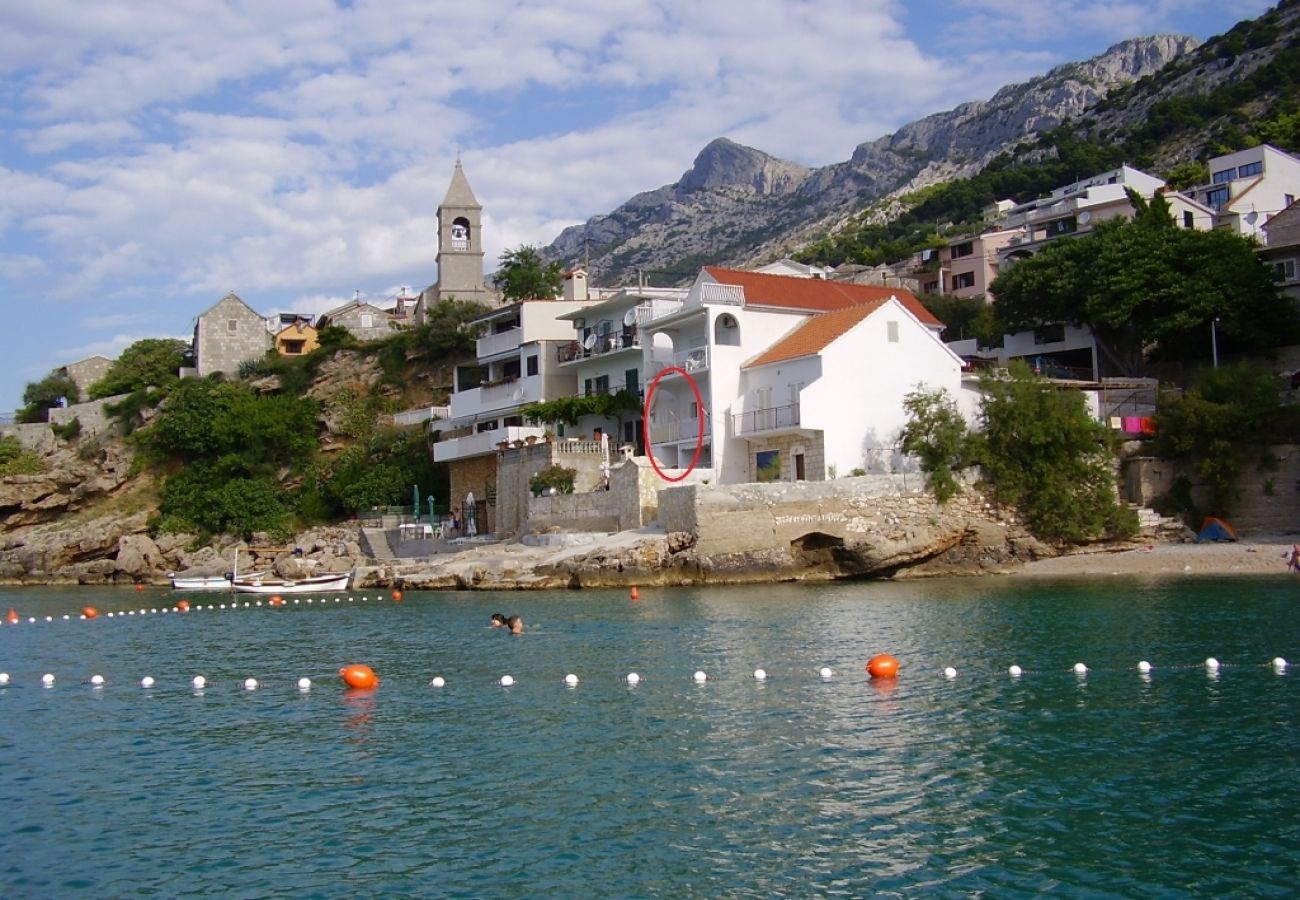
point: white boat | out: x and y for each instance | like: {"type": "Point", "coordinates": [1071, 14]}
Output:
{"type": "Point", "coordinates": [200, 582]}
{"type": "Point", "coordinates": [331, 582]}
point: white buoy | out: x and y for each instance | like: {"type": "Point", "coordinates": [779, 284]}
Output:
{"type": "Point", "coordinates": [827, 673]}
{"type": "Point", "coordinates": [199, 682]}
{"type": "Point", "coordinates": [259, 602]}
{"type": "Point", "coordinates": [68, 618]}
{"type": "Point", "coordinates": [1080, 669]}
{"type": "Point", "coordinates": [1279, 664]}
{"type": "Point", "coordinates": [1016, 671]}
{"type": "Point", "coordinates": [97, 680]}
{"type": "Point", "coordinates": [31, 620]}
{"type": "Point", "coordinates": [49, 618]}
{"type": "Point", "coordinates": [700, 676]}
{"type": "Point", "coordinates": [571, 680]}
{"type": "Point", "coordinates": [760, 675]}
{"type": "Point", "coordinates": [438, 681]}
{"type": "Point", "coordinates": [1211, 663]}
{"type": "Point", "coordinates": [949, 672]}
{"type": "Point", "coordinates": [47, 679]}
{"type": "Point", "coordinates": [1144, 667]}
{"type": "Point", "coordinates": [4, 677]}
{"type": "Point", "coordinates": [147, 681]}
{"type": "Point", "coordinates": [304, 684]}
{"type": "Point", "coordinates": [633, 678]}
{"type": "Point", "coordinates": [250, 684]}
{"type": "Point", "coordinates": [507, 680]}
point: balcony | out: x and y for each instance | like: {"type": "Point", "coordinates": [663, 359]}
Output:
{"type": "Point", "coordinates": [679, 431]}
{"type": "Point", "coordinates": [499, 395]}
{"type": "Point", "coordinates": [604, 344]}
{"type": "Point", "coordinates": [482, 443]}
{"type": "Point", "coordinates": [502, 342]}
{"type": "Point", "coordinates": [694, 360]}
{"type": "Point", "coordinates": [767, 422]}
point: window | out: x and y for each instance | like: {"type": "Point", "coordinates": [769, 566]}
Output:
{"type": "Point", "coordinates": [232, 325]}
{"type": "Point", "coordinates": [891, 332]}
{"type": "Point", "coordinates": [1062, 226]}
{"type": "Point", "coordinates": [1285, 269]}
{"type": "Point", "coordinates": [768, 465]}
{"type": "Point", "coordinates": [1216, 198]}
{"type": "Point", "coordinates": [964, 249]}
{"type": "Point", "coordinates": [1224, 177]}
{"type": "Point", "coordinates": [1188, 219]}
{"type": "Point", "coordinates": [1049, 334]}
{"type": "Point", "coordinates": [631, 382]}
{"type": "Point", "coordinates": [532, 365]}
{"type": "Point", "coordinates": [293, 348]}
{"type": "Point", "coordinates": [602, 384]}
{"type": "Point", "coordinates": [1255, 168]}
{"type": "Point", "coordinates": [367, 320]}
{"type": "Point", "coordinates": [963, 280]}
{"type": "Point", "coordinates": [1288, 199]}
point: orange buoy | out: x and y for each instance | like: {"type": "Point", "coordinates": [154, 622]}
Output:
{"type": "Point", "coordinates": [634, 593]}
{"type": "Point", "coordinates": [90, 612]}
{"type": "Point", "coordinates": [12, 616]}
{"type": "Point", "coordinates": [397, 596]}
{"type": "Point", "coordinates": [277, 600]}
{"type": "Point", "coordinates": [183, 605]}
{"type": "Point", "coordinates": [359, 676]}
{"type": "Point", "coordinates": [882, 665]}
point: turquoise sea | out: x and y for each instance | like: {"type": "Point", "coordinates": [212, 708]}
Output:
{"type": "Point", "coordinates": [1182, 783]}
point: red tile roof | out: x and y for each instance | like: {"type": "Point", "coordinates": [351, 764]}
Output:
{"type": "Point", "coordinates": [814, 334]}
{"type": "Point", "coordinates": [814, 294]}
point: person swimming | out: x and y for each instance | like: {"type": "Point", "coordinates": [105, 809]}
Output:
{"type": "Point", "coordinates": [499, 620]}
{"type": "Point", "coordinates": [516, 625]}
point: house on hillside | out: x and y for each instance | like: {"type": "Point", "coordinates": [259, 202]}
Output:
{"type": "Point", "coordinates": [297, 338]}
{"type": "Point", "coordinates": [228, 333]}
{"type": "Point", "coordinates": [85, 372]}
{"type": "Point", "coordinates": [1281, 250]}
{"type": "Point", "coordinates": [1249, 187]}
{"type": "Point", "coordinates": [739, 402]}
{"type": "Point", "coordinates": [365, 321]}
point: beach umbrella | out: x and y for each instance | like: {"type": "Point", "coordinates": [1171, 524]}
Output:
{"type": "Point", "coordinates": [471, 526]}
{"type": "Point", "coordinates": [415, 501]}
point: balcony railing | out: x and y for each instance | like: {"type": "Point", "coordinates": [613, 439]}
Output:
{"type": "Point", "coordinates": [683, 430]}
{"type": "Point", "coordinates": [722, 294]}
{"type": "Point", "coordinates": [604, 343]}
{"type": "Point", "coordinates": [482, 442]}
{"type": "Point", "coordinates": [770, 419]}
{"type": "Point", "coordinates": [501, 342]}
{"type": "Point", "coordinates": [694, 360]}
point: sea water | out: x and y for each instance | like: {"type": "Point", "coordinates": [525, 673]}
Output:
{"type": "Point", "coordinates": [1183, 782]}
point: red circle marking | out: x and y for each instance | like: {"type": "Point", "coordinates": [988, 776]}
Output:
{"type": "Point", "coordinates": [645, 422]}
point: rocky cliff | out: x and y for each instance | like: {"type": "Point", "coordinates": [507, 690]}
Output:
{"type": "Point", "coordinates": [736, 204]}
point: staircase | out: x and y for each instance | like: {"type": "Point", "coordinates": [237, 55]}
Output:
{"type": "Point", "coordinates": [1152, 524]}
{"type": "Point", "coordinates": [376, 545]}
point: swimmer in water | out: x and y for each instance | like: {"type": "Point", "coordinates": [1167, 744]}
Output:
{"type": "Point", "coordinates": [499, 620]}
{"type": "Point", "coordinates": [516, 625]}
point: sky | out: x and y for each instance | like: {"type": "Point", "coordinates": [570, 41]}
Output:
{"type": "Point", "coordinates": [154, 157]}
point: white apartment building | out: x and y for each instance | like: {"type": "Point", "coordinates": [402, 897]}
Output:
{"type": "Point", "coordinates": [1249, 187]}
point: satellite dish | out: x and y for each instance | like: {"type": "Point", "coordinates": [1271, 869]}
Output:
{"type": "Point", "coordinates": [1252, 217]}
{"type": "Point", "coordinates": [629, 317]}
{"type": "Point", "coordinates": [589, 342]}
{"type": "Point", "coordinates": [1085, 217]}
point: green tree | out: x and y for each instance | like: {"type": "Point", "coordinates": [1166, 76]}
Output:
{"type": "Point", "coordinates": [1228, 419]}
{"type": "Point", "coordinates": [1187, 175]}
{"type": "Point", "coordinates": [936, 434]}
{"type": "Point", "coordinates": [152, 362]}
{"type": "Point", "coordinates": [524, 275]}
{"type": "Point", "coordinates": [1044, 455]}
{"type": "Point", "coordinates": [1150, 290]}
{"type": "Point", "coordinates": [51, 392]}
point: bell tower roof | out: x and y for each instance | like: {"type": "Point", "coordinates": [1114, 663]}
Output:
{"type": "Point", "coordinates": [459, 195]}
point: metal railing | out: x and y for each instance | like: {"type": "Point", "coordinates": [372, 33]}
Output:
{"type": "Point", "coordinates": [499, 342]}
{"type": "Point", "coordinates": [682, 430]}
{"type": "Point", "coordinates": [604, 343]}
{"type": "Point", "coordinates": [696, 359]}
{"type": "Point", "coordinates": [769, 419]}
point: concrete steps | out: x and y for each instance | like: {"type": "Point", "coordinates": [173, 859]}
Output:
{"type": "Point", "coordinates": [376, 544]}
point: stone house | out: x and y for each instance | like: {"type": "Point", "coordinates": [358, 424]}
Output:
{"type": "Point", "coordinates": [229, 333]}
{"type": "Point", "coordinates": [365, 321]}
{"type": "Point", "coordinates": [85, 372]}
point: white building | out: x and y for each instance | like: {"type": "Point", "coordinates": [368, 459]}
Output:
{"type": "Point", "coordinates": [851, 370]}
{"type": "Point", "coordinates": [1249, 187]}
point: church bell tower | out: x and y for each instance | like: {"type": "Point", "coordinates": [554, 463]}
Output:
{"type": "Point", "coordinates": [460, 243]}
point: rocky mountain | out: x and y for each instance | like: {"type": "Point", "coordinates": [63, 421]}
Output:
{"type": "Point", "coordinates": [737, 204]}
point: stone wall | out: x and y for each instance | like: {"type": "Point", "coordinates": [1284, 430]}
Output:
{"type": "Point", "coordinates": [1269, 501]}
{"type": "Point", "coordinates": [790, 446]}
{"type": "Point", "coordinates": [728, 519]}
{"type": "Point", "coordinates": [87, 371]}
{"type": "Point", "coordinates": [34, 436]}
{"type": "Point", "coordinates": [477, 474]}
{"type": "Point", "coordinates": [630, 502]}
{"type": "Point", "coordinates": [517, 465]}
{"type": "Point", "coordinates": [92, 415]}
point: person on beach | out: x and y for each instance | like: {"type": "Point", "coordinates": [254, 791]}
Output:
{"type": "Point", "coordinates": [1293, 564]}
{"type": "Point", "coordinates": [499, 620]}
{"type": "Point", "coordinates": [516, 625]}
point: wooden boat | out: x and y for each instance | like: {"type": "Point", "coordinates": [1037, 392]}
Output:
{"type": "Point", "coordinates": [330, 582]}
{"type": "Point", "coordinates": [201, 582]}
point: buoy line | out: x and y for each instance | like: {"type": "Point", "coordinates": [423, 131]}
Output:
{"type": "Point", "coordinates": [358, 676]}
{"type": "Point", "coordinates": [184, 605]}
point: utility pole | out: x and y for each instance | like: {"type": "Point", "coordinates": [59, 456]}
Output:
{"type": "Point", "coordinates": [1214, 341]}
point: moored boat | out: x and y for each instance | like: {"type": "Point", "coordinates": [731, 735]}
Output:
{"type": "Point", "coordinates": [330, 582]}
{"type": "Point", "coordinates": [201, 582]}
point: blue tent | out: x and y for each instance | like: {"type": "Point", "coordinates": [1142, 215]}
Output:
{"type": "Point", "coordinates": [1213, 529]}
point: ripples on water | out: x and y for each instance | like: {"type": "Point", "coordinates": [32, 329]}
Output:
{"type": "Point", "coordinates": [1181, 784]}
